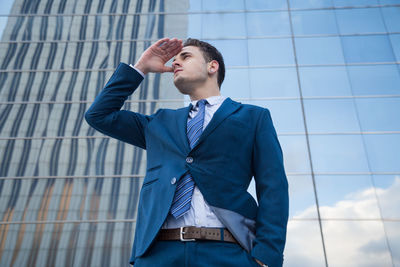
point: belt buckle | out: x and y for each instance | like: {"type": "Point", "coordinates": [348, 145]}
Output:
{"type": "Point", "coordinates": [184, 239]}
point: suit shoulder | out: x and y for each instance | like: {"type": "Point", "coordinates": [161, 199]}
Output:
{"type": "Point", "coordinates": [259, 115]}
{"type": "Point", "coordinates": [166, 112]}
{"type": "Point", "coordinates": [254, 108]}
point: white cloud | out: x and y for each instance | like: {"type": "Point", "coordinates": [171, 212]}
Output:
{"type": "Point", "coordinates": [355, 242]}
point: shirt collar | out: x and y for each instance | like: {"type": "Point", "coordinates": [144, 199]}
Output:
{"type": "Point", "coordinates": [212, 100]}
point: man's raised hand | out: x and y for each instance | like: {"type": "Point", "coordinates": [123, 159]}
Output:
{"type": "Point", "coordinates": [154, 58]}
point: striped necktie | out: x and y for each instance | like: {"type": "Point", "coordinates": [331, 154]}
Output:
{"type": "Point", "coordinates": [184, 189]}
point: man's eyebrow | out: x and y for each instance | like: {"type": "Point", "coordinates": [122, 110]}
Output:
{"type": "Point", "coordinates": [181, 55]}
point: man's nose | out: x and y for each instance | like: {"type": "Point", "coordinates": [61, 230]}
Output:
{"type": "Point", "coordinates": [176, 64]}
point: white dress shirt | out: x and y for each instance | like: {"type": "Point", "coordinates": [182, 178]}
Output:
{"type": "Point", "coordinates": [199, 214]}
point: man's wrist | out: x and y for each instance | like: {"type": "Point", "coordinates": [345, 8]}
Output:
{"type": "Point", "coordinates": [140, 68]}
{"type": "Point", "coordinates": [137, 69]}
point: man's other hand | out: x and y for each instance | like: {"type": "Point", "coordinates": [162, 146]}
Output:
{"type": "Point", "coordinates": [260, 263]}
{"type": "Point", "coordinates": [154, 58]}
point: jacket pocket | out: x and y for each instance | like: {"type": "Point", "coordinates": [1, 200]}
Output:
{"type": "Point", "coordinates": [151, 175]}
{"type": "Point", "coordinates": [149, 182]}
{"type": "Point", "coordinates": [154, 168]}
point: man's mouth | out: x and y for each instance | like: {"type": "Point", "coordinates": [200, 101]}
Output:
{"type": "Point", "coordinates": [175, 71]}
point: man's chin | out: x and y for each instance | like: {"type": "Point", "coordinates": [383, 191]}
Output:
{"type": "Point", "coordinates": [183, 91]}
{"type": "Point", "coordinates": [180, 85]}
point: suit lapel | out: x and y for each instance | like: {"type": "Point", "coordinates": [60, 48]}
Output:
{"type": "Point", "coordinates": [227, 108]}
{"type": "Point", "coordinates": [181, 120]}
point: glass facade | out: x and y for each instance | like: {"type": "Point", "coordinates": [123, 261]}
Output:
{"type": "Point", "coordinates": [328, 70]}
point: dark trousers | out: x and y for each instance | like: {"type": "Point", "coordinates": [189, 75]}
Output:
{"type": "Point", "coordinates": [195, 254]}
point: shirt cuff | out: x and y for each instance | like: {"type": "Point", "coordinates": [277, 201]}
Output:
{"type": "Point", "coordinates": [141, 73]}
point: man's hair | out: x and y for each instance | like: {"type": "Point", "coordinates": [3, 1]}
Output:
{"type": "Point", "coordinates": [209, 53]}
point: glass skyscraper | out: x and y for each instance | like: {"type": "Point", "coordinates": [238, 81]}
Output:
{"type": "Point", "coordinates": [328, 70]}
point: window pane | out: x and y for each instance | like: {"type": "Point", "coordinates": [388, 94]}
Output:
{"type": "Point", "coordinates": [363, 20]}
{"type": "Point", "coordinates": [338, 153]}
{"type": "Point", "coordinates": [194, 26]}
{"type": "Point", "coordinates": [277, 24]}
{"type": "Point", "coordinates": [295, 153]}
{"type": "Point", "coordinates": [167, 8]}
{"type": "Point", "coordinates": [356, 243]}
{"type": "Point", "coordinates": [304, 244]}
{"type": "Point", "coordinates": [223, 25]}
{"type": "Point", "coordinates": [343, 196]}
{"type": "Point", "coordinates": [395, 40]}
{"type": "Point", "coordinates": [383, 152]}
{"type": "Point", "coordinates": [310, 3]}
{"type": "Point", "coordinates": [331, 115]}
{"type": "Point", "coordinates": [371, 48]}
{"type": "Point", "coordinates": [229, 50]}
{"type": "Point", "coordinates": [355, 2]}
{"type": "Point", "coordinates": [236, 84]}
{"type": "Point", "coordinates": [393, 235]}
{"type": "Point", "coordinates": [374, 79]}
{"type": "Point", "coordinates": [321, 50]}
{"type": "Point", "coordinates": [273, 82]}
{"type": "Point", "coordinates": [270, 52]}
{"type": "Point", "coordinates": [194, 5]}
{"type": "Point", "coordinates": [262, 4]}
{"type": "Point", "coordinates": [314, 22]}
{"type": "Point", "coordinates": [387, 190]}
{"type": "Point", "coordinates": [286, 114]}
{"type": "Point", "coordinates": [211, 5]}
{"type": "Point", "coordinates": [392, 18]}
{"type": "Point", "coordinates": [324, 81]}
{"type": "Point", "coordinates": [379, 114]}
{"type": "Point", "coordinates": [389, 2]}
{"type": "Point", "coordinates": [3, 23]}
{"type": "Point", "coordinates": [302, 198]}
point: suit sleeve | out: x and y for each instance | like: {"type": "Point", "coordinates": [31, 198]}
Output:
{"type": "Point", "coordinates": [106, 116]}
{"type": "Point", "coordinates": [272, 194]}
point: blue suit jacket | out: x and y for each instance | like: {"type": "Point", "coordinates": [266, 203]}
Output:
{"type": "Point", "coordinates": [239, 142]}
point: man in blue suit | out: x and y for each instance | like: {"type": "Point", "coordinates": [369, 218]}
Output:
{"type": "Point", "coordinates": [194, 208]}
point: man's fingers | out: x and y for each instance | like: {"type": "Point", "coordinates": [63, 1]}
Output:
{"type": "Point", "coordinates": [169, 45]}
{"type": "Point", "coordinates": [174, 45]}
{"type": "Point", "coordinates": [174, 52]}
{"type": "Point", "coordinates": [161, 42]}
{"type": "Point", "coordinates": [166, 44]}
{"type": "Point", "coordinates": [175, 49]}
{"type": "Point", "coordinates": [178, 48]}
{"type": "Point", "coordinates": [167, 69]}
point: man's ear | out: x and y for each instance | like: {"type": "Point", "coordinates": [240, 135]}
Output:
{"type": "Point", "coordinates": [213, 67]}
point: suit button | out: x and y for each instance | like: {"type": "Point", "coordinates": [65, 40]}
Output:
{"type": "Point", "coordinates": [173, 180]}
{"type": "Point", "coordinates": [189, 159]}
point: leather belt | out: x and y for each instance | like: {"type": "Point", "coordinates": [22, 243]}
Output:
{"type": "Point", "coordinates": [192, 233]}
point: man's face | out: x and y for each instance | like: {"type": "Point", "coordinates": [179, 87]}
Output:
{"type": "Point", "coordinates": [190, 69]}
